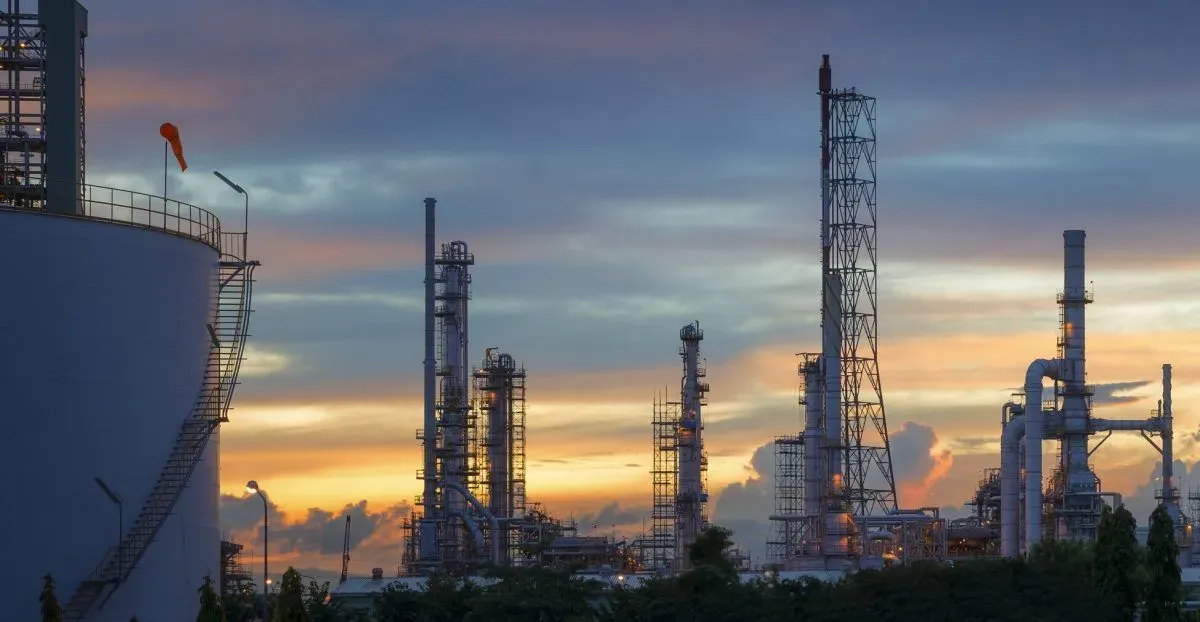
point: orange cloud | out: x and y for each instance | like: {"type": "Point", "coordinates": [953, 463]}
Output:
{"type": "Point", "coordinates": [916, 494]}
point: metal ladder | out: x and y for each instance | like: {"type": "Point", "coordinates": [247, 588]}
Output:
{"type": "Point", "coordinates": [228, 335]}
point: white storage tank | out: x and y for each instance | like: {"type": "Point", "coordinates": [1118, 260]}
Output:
{"type": "Point", "coordinates": [104, 342]}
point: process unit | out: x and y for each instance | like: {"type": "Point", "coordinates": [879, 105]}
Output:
{"type": "Point", "coordinates": [1068, 504]}
{"type": "Point", "coordinates": [472, 510]}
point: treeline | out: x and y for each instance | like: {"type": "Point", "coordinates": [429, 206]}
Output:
{"type": "Point", "coordinates": [1113, 579]}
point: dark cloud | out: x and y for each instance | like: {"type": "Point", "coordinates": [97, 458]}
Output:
{"type": "Point", "coordinates": [745, 507]}
{"type": "Point", "coordinates": [612, 515]}
{"type": "Point", "coordinates": [1106, 393]}
{"type": "Point", "coordinates": [320, 531]}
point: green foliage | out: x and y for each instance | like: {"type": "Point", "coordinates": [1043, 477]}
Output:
{"type": "Point", "coordinates": [533, 594]}
{"type": "Point", "coordinates": [51, 612]}
{"type": "Point", "coordinates": [1118, 562]}
{"type": "Point", "coordinates": [320, 605]}
{"type": "Point", "coordinates": [1165, 587]}
{"type": "Point", "coordinates": [289, 606]}
{"type": "Point", "coordinates": [240, 606]}
{"type": "Point", "coordinates": [211, 607]}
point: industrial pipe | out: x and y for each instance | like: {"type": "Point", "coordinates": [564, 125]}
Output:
{"type": "Point", "coordinates": [1126, 425]}
{"type": "Point", "coordinates": [1034, 423]}
{"type": "Point", "coordinates": [483, 511]}
{"type": "Point", "coordinates": [1010, 485]}
{"type": "Point", "coordinates": [1005, 411]}
{"type": "Point", "coordinates": [473, 528]}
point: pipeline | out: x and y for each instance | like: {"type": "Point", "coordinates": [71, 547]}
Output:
{"type": "Point", "coordinates": [1034, 428]}
{"type": "Point", "coordinates": [1010, 485]}
{"type": "Point", "coordinates": [494, 524]}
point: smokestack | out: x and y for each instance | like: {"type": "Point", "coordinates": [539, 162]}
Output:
{"type": "Point", "coordinates": [428, 535]}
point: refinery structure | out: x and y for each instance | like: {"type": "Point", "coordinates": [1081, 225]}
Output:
{"type": "Point", "coordinates": [677, 477]}
{"type": "Point", "coordinates": [103, 340]}
{"type": "Point", "coordinates": [836, 503]}
{"type": "Point", "coordinates": [472, 510]}
{"type": "Point", "coordinates": [122, 352]}
{"type": "Point", "coordinates": [835, 496]}
{"type": "Point", "coordinates": [1015, 506]}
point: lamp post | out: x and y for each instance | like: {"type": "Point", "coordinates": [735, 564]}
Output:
{"type": "Point", "coordinates": [115, 498]}
{"type": "Point", "coordinates": [242, 191]}
{"type": "Point", "coordinates": [252, 488]}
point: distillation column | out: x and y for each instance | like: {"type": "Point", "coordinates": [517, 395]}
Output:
{"type": "Point", "coordinates": [500, 395]}
{"type": "Point", "coordinates": [691, 497]}
{"type": "Point", "coordinates": [1079, 515]}
{"type": "Point", "coordinates": [453, 449]}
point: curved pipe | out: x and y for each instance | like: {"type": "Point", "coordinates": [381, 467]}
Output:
{"type": "Point", "coordinates": [479, 507]}
{"type": "Point", "coordinates": [1010, 486]}
{"type": "Point", "coordinates": [472, 527]}
{"type": "Point", "coordinates": [1034, 424]}
{"type": "Point", "coordinates": [1005, 411]}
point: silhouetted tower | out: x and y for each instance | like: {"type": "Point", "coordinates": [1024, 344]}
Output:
{"type": "Point", "coordinates": [850, 273]}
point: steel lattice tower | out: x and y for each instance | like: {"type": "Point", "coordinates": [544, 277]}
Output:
{"type": "Point", "coordinates": [870, 484]}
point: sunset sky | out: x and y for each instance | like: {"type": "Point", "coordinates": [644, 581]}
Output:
{"type": "Point", "coordinates": [622, 168]}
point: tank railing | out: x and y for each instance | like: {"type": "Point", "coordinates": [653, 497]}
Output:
{"type": "Point", "coordinates": [233, 244]}
{"type": "Point", "coordinates": [138, 209]}
{"type": "Point", "coordinates": [147, 211]}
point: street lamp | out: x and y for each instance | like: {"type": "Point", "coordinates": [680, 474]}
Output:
{"type": "Point", "coordinates": [115, 498]}
{"type": "Point", "coordinates": [242, 191]}
{"type": "Point", "coordinates": [252, 488]}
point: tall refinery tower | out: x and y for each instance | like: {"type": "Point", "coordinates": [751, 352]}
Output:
{"type": "Point", "coordinates": [844, 449]}
{"type": "Point", "coordinates": [500, 402]}
{"type": "Point", "coordinates": [679, 464]}
{"type": "Point", "coordinates": [123, 340]}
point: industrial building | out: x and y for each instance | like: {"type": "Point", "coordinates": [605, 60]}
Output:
{"type": "Point", "coordinates": [836, 506]}
{"type": "Point", "coordinates": [1015, 506]}
{"type": "Point", "coordinates": [123, 339]}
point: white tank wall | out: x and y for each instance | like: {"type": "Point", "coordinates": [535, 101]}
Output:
{"type": "Point", "coordinates": [104, 346]}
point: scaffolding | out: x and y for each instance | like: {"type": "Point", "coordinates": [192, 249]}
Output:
{"type": "Point", "coordinates": [870, 483]}
{"type": "Point", "coordinates": [23, 117]}
{"type": "Point", "coordinates": [795, 527]}
{"type": "Point", "coordinates": [235, 575]}
{"type": "Point", "coordinates": [659, 547]}
{"type": "Point", "coordinates": [499, 400]}
{"type": "Point", "coordinates": [787, 525]}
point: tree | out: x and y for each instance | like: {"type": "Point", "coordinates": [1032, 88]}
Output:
{"type": "Point", "coordinates": [1165, 588]}
{"type": "Point", "coordinates": [210, 603]}
{"type": "Point", "coordinates": [51, 612]}
{"type": "Point", "coordinates": [710, 549]}
{"type": "Point", "coordinates": [320, 605]}
{"type": "Point", "coordinates": [1118, 561]}
{"type": "Point", "coordinates": [289, 607]}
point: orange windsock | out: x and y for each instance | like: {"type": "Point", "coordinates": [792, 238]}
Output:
{"type": "Point", "coordinates": [171, 133]}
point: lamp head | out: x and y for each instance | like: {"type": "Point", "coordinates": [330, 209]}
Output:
{"type": "Point", "coordinates": [252, 487]}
